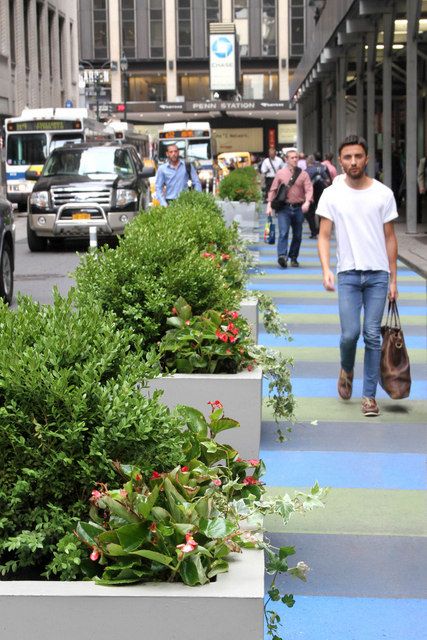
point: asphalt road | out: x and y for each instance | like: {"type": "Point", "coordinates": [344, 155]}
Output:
{"type": "Point", "coordinates": [37, 273]}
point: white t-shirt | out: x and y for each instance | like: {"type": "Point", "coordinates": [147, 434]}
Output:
{"type": "Point", "coordinates": [359, 216]}
{"type": "Point", "coordinates": [268, 170]}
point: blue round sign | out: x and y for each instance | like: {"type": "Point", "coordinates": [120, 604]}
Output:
{"type": "Point", "coordinates": [68, 104]}
{"type": "Point", "coordinates": [222, 47]}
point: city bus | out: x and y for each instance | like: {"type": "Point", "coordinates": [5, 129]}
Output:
{"type": "Point", "coordinates": [30, 137]}
{"type": "Point", "coordinates": [194, 141]}
{"type": "Point", "coordinates": [126, 132]}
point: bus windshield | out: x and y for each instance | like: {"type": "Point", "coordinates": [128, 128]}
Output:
{"type": "Point", "coordinates": [26, 149]}
{"type": "Point", "coordinates": [59, 139]}
{"type": "Point", "coordinates": [191, 149]}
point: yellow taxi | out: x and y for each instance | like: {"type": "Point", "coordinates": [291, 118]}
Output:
{"type": "Point", "coordinates": [233, 160]}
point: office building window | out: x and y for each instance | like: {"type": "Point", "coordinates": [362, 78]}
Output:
{"type": "Point", "coordinates": [213, 14]}
{"type": "Point", "coordinates": [100, 28]}
{"type": "Point", "coordinates": [184, 29]}
{"type": "Point", "coordinates": [147, 88]}
{"type": "Point", "coordinates": [26, 8]}
{"type": "Point", "coordinates": [39, 18]}
{"type": "Point", "coordinates": [61, 24]}
{"type": "Point", "coordinates": [12, 31]}
{"type": "Point", "coordinates": [128, 27]}
{"type": "Point", "coordinates": [268, 27]}
{"type": "Point", "coordinates": [194, 87]}
{"type": "Point", "coordinates": [51, 36]}
{"type": "Point", "coordinates": [260, 86]}
{"type": "Point", "coordinates": [296, 28]}
{"type": "Point", "coordinates": [241, 20]}
{"type": "Point", "coordinates": [157, 49]}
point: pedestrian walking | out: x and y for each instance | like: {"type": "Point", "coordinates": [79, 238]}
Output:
{"type": "Point", "coordinates": [299, 193]}
{"type": "Point", "coordinates": [362, 210]}
{"type": "Point", "coordinates": [270, 166]}
{"type": "Point", "coordinates": [302, 160]}
{"type": "Point", "coordinates": [175, 176]}
{"type": "Point", "coordinates": [327, 162]}
{"type": "Point", "coordinates": [320, 179]}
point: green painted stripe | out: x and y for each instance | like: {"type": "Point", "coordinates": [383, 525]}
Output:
{"type": "Point", "coordinates": [332, 318]}
{"type": "Point", "coordinates": [328, 354]}
{"type": "Point", "coordinates": [298, 274]}
{"type": "Point", "coordinates": [336, 410]}
{"type": "Point", "coordinates": [371, 512]}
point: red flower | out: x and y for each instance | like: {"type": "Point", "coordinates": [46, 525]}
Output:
{"type": "Point", "coordinates": [187, 322]}
{"type": "Point", "coordinates": [234, 315]}
{"type": "Point", "coordinates": [221, 335]}
{"type": "Point", "coordinates": [239, 460]}
{"type": "Point", "coordinates": [190, 544]}
{"type": "Point", "coordinates": [153, 527]}
{"type": "Point", "coordinates": [250, 481]}
{"type": "Point", "coordinates": [96, 494]}
{"type": "Point", "coordinates": [232, 338]}
{"type": "Point", "coordinates": [155, 475]}
{"type": "Point", "coordinates": [232, 329]}
{"type": "Point", "coordinates": [174, 311]}
{"type": "Point", "coordinates": [250, 367]}
{"type": "Point", "coordinates": [216, 404]}
{"type": "Point", "coordinates": [253, 462]}
{"type": "Point", "coordinates": [228, 352]}
{"type": "Point", "coordinates": [225, 256]}
{"type": "Point", "coordinates": [184, 469]}
{"type": "Point", "coordinates": [138, 477]}
{"type": "Point", "coordinates": [95, 554]}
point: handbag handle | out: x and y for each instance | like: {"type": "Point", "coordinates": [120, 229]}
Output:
{"type": "Point", "coordinates": [393, 318]}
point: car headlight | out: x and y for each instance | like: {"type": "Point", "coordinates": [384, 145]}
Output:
{"type": "Point", "coordinates": [125, 196]}
{"type": "Point", "coordinates": [40, 199]}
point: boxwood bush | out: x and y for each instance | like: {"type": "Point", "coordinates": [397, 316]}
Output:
{"type": "Point", "coordinates": [241, 185]}
{"type": "Point", "coordinates": [68, 406]}
{"type": "Point", "coordinates": [182, 250]}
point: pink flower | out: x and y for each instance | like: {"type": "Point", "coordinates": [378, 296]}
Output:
{"type": "Point", "coordinates": [239, 460]}
{"type": "Point", "coordinates": [94, 555]}
{"type": "Point", "coordinates": [123, 493]}
{"type": "Point", "coordinates": [232, 329]}
{"type": "Point", "coordinates": [250, 481]}
{"type": "Point", "coordinates": [228, 352]}
{"type": "Point", "coordinates": [225, 256]}
{"type": "Point", "coordinates": [96, 494]}
{"type": "Point", "coordinates": [174, 311]}
{"type": "Point", "coordinates": [253, 462]}
{"type": "Point", "coordinates": [232, 339]}
{"type": "Point", "coordinates": [155, 475]}
{"type": "Point", "coordinates": [187, 322]}
{"type": "Point", "coordinates": [153, 527]}
{"type": "Point", "coordinates": [217, 482]}
{"type": "Point", "coordinates": [216, 404]}
{"type": "Point", "coordinates": [234, 315]}
{"type": "Point", "coordinates": [221, 335]}
{"type": "Point", "coordinates": [190, 544]}
{"type": "Point", "coordinates": [250, 367]}
{"type": "Point", "coordinates": [185, 469]}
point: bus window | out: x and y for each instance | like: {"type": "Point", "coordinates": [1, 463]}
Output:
{"type": "Point", "coordinates": [58, 140]}
{"type": "Point", "coordinates": [163, 147]}
{"type": "Point", "coordinates": [26, 149]}
{"type": "Point", "coordinates": [199, 149]}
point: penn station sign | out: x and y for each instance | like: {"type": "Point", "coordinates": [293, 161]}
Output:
{"type": "Point", "coordinates": [222, 61]}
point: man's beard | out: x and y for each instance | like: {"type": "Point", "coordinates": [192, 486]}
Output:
{"type": "Point", "coordinates": [355, 176]}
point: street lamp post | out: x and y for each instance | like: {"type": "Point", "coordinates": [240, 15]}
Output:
{"type": "Point", "coordinates": [96, 79]}
{"type": "Point", "coordinates": [124, 65]}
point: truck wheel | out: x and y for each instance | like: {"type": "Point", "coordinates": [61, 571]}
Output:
{"type": "Point", "coordinates": [6, 273]}
{"type": "Point", "coordinates": [34, 242]}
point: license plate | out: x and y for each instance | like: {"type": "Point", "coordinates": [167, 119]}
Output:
{"type": "Point", "coordinates": [81, 216]}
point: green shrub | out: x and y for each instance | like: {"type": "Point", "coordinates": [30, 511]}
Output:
{"type": "Point", "coordinates": [241, 185]}
{"type": "Point", "coordinates": [162, 256]}
{"type": "Point", "coordinates": [69, 405]}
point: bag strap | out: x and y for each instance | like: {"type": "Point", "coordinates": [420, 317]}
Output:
{"type": "Point", "coordinates": [393, 318]}
{"type": "Point", "coordinates": [294, 178]}
{"type": "Point", "coordinates": [272, 166]}
{"type": "Point", "coordinates": [269, 219]}
{"type": "Point", "coordinates": [188, 168]}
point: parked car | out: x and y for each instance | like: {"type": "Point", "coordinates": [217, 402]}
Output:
{"type": "Point", "coordinates": [7, 249]}
{"type": "Point", "coordinates": [87, 185]}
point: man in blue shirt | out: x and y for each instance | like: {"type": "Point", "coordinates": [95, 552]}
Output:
{"type": "Point", "coordinates": [172, 177]}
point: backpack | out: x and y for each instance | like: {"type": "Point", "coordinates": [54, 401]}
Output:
{"type": "Point", "coordinates": [190, 178]}
{"type": "Point", "coordinates": [320, 180]}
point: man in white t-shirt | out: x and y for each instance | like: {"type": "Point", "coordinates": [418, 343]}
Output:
{"type": "Point", "coordinates": [270, 166]}
{"type": "Point", "coordinates": [362, 210]}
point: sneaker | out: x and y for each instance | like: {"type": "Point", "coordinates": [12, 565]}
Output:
{"type": "Point", "coordinates": [345, 384]}
{"type": "Point", "coordinates": [370, 407]}
{"type": "Point", "coordinates": [294, 262]}
{"type": "Point", "coordinates": [282, 260]}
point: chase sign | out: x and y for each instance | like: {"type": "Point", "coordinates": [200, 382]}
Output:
{"type": "Point", "coordinates": [222, 61]}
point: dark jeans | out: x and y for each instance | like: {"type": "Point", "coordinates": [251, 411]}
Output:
{"type": "Point", "coordinates": [310, 216]}
{"type": "Point", "coordinates": [267, 186]}
{"type": "Point", "coordinates": [290, 217]}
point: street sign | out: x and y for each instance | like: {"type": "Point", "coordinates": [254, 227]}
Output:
{"type": "Point", "coordinates": [69, 104]}
{"type": "Point", "coordinates": [236, 105]}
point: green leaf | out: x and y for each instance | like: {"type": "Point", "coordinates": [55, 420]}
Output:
{"type": "Point", "coordinates": [285, 552]}
{"type": "Point", "coordinates": [192, 572]}
{"type": "Point", "coordinates": [144, 504]}
{"type": "Point", "coordinates": [174, 321]}
{"type": "Point", "coordinates": [218, 566]}
{"type": "Point", "coordinates": [119, 509]}
{"type": "Point", "coordinates": [116, 550]}
{"type": "Point", "coordinates": [153, 555]}
{"type": "Point", "coordinates": [216, 527]}
{"type": "Point", "coordinates": [195, 420]}
{"type": "Point", "coordinates": [132, 536]}
{"type": "Point", "coordinates": [288, 600]}
{"type": "Point", "coordinates": [88, 532]}
{"type": "Point", "coordinates": [222, 424]}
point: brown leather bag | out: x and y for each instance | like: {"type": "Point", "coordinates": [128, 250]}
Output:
{"type": "Point", "coordinates": [395, 372]}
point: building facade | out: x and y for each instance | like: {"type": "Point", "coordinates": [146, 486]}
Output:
{"type": "Point", "coordinates": [364, 70]}
{"type": "Point", "coordinates": [38, 54]}
{"type": "Point", "coordinates": [165, 46]}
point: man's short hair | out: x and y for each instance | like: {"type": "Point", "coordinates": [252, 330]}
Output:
{"type": "Point", "coordinates": [353, 139]}
{"type": "Point", "coordinates": [287, 150]}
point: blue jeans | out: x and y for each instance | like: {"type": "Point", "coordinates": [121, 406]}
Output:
{"type": "Point", "coordinates": [367, 289]}
{"type": "Point", "coordinates": [286, 218]}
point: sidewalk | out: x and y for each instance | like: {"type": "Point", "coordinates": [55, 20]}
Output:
{"type": "Point", "coordinates": [412, 247]}
{"type": "Point", "coordinates": [366, 548]}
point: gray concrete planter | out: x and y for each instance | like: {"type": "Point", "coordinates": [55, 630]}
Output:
{"type": "Point", "coordinates": [244, 213]}
{"type": "Point", "coordinates": [249, 310]}
{"type": "Point", "coordinates": [240, 393]}
{"type": "Point", "coordinates": [231, 607]}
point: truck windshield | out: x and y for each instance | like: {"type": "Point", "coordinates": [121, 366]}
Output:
{"type": "Point", "coordinates": [88, 162]}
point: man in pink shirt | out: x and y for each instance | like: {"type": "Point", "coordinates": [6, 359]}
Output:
{"type": "Point", "coordinates": [298, 199]}
{"type": "Point", "coordinates": [327, 162]}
